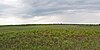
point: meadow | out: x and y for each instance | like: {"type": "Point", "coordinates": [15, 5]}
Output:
{"type": "Point", "coordinates": [50, 37]}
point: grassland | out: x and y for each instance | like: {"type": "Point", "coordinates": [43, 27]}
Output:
{"type": "Point", "coordinates": [50, 37]}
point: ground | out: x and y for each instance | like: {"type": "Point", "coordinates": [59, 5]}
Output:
{"type": "Point", "coordinates": [50, 37]}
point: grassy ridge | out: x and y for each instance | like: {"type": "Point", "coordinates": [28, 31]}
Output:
{"type": "Point", "coordinates": [50, 37]}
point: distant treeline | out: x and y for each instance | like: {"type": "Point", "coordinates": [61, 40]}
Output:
{"type": "Point", "coordinates": [51, 24]}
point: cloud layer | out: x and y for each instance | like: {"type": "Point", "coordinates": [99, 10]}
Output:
{"type": "Point", "coordinates": [49, 11]}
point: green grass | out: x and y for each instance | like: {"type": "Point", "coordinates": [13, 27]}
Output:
{"type": "Point", "coordinates": [50, 37]}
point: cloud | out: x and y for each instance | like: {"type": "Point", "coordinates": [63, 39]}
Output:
{"type": "Point", "coordinates": [10, 20]}
{"type": "Point", "coordinates": [75, 19]}
{"type": "Point", "coordinates": [34, 20]}
{"type": "Point", "coordinates": [49, 11]}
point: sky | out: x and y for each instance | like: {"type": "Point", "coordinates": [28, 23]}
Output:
{"type": "Point", "coordinates": [49, 11]}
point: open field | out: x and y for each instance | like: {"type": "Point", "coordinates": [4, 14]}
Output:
{"type": "Point", "coordinates": [50, 37]}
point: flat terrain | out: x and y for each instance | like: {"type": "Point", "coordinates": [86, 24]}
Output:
{"type": "Point", "coordinates": [50, 37]}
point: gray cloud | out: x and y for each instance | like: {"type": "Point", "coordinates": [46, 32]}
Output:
{"type": "Point", "coordinates": [74, 10]}
{"type": "Point", "coordinates": [39, 7]}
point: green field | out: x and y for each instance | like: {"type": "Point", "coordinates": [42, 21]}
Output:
{"type": "Point", "coordinates": [50, 37]}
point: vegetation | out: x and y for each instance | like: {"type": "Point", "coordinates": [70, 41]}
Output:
{"type": "Point", "coordinates": [50, 37]}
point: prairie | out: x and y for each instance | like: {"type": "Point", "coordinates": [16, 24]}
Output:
{"type": "Point", "coordinates": [50, 37]}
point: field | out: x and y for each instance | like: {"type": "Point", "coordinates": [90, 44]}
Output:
{"type": "Point", "coordinates": [50, 37]}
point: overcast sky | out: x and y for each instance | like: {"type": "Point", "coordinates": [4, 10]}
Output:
{"type": "Point", "coordinates": [49, 11]}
